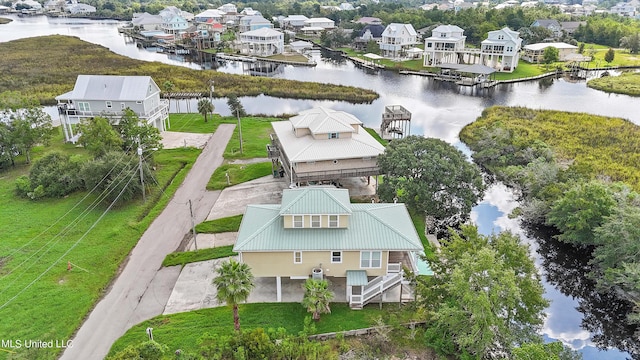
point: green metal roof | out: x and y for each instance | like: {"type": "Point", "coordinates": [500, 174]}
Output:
{"type": "Point", "coordinates": [371, 227]}
{"type": "Point", "coordinates": [357, 277]}
{"type": "Point", "coordinates": [315, 200]}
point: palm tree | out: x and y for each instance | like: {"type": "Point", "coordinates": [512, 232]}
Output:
{"type": "Point", "coordinates": [317, 297]}
{"type": "Point", "coordinates": [204, 107]}
{"type": "Point", "coordinates": [234, 284]}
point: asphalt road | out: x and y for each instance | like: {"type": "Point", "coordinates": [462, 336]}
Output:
{"type": "Point", "coordinates": [142, 289]}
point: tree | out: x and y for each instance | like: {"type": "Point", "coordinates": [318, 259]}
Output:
{"type": "Point", "coordinates": [30, 126]}
{"type": "Point", "coordinates": [550, 55]}
{"type": "Point", "coordinates": [8, 149]}
{"type": "Point", "coordinates": [582, 209]}
{"type": "Point", "coordinates": [485, 295]}
{"type": "Point", "coordinates": [373, 47]}
{"type": "Point", "coordinates": [317, 297]}
{"type": "Point", "coordinates": [432, 177]}
{"type": "Point", "coordinates": [98, 136]}
{"type": "Point", "coordinates": [115, 175]}
{"type": "Point", "coordinates": [135, 133]}
{"type": "Point", "coordinates": [205, 107]}
{"type": "Point", "coordinates": [549, 351]}
{"type": "Point", "coordinates": [609, 55]}
{"type": "Point", "coordinates": [631, 42]}
{"type": "Point", "coordinates": [235, 106]}
{"type": "Point", "coordinates": [234, 284]}
{"type": "Point", "coordinates": [618, 237]}
{"type": "Point", "coordinates": [55, 174]}
{"type": "Point", "coordinates": [581, 48]}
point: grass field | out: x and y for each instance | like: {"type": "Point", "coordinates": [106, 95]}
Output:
{"type": "Point", "coordinates": [628, 84]}
{"type": "Point", "coordinates": [227, 224]}
{"type": "Point", "coordinates": [181, 331]}
{"type": "Point", "coordinates": [238, 173]}
{"type": "Point", "coordinates": [186, 257]}
{"type": "Point", "coordinates": [67, 57]}
{"type": "Point", "coordinates": [39, 298]}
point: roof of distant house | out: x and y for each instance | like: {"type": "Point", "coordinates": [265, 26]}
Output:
{"type": "Point", "coordinates": [376, 30]}
{"type": "Point", "coordinates": [109, 87]}
{"type": "Point", "coordinates": [262, 32]}
{"type": "Point", "coordinates": [369, 20]}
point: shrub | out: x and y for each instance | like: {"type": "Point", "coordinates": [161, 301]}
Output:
{"type": "Point", "coordinates": [54, 175]}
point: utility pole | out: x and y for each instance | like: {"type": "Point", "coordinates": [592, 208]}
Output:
{"type": "Point", "coordinates": [144, 195]}
{"type": "Point", "coordinates": [239, 128]}
{"type": "Point", "coordinates": [193, 225]}
{"type": "Point", "coordinates": [211, 91]}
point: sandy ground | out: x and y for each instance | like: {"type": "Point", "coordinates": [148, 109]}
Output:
{"type": "Point", "coordinates": [173, 140]}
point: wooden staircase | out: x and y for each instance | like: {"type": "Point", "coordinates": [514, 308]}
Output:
{"type": "Point", "coordinates": [375, 287]}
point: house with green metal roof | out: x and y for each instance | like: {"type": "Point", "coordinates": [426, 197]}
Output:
{"type": "Point", "coordinates": [317, 232]}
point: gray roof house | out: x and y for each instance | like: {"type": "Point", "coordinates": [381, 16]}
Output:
{"type": "Point", "coordinates": [108, 96]}
{"type": "Point", "coordinates": [317, 232]}
{"type": "Point", "coordinates": [324, 144]}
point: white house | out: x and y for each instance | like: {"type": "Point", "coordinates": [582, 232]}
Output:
{"type": "Point", "coordinates": [295, 22]}
{"type": "Point", "coordinates": [108, 96]}
{"type": "Point", "coordinates": [320, 23]}
{"type": "Point", "coordinates": [624, 9]}
{"type": "Point", "coordinates": [501, 50]}
{"type": "Point", "coordinates": [77, 9]}
{"type": "Point", "coordinates": [228, 8]}
{"type": "Point", "coordinates": [443, 45]}
{"type": "Point", "coordinates": [255, 22]}
{"type": "Point", "coordinates": [34, 5]}
{"type": "Point", "coordinates": [147, 21]}
{"type": "Point", "coordinates": [250, 12]}
{"type": "Point", "coordinates": [397, 38]}
{"type": "Point", "coordinates": [213, 14]}
{"type": "Point", "coordinates": [262, 42]}
{"type": "Point", "coordinates": [533, 53]}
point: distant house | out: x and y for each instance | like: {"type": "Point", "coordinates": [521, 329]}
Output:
{"type": "Point", "coordinates": [172, 10]}
{"type": "Point", "coordinates": [172, 23]}
{"type": "Point", "coordinates": [262, 42]}
{"type": "Point", "coordinates": [293, 22]}
{"type": "Point", "coordinates": [28, 4]}
{"type": "Point", "coordinates": [323, 144]}
{"type": "Point", "coordinates": [4, 9]}
{"type": "Point", "coordinates": [569, 27]}
{"type": "Point", "coordinates": [624, 9]}
{"type": "Point", "coordinates": [534, 53]}
{"type": "Point", "coordinates": [371, 32]}
{"type": "Point", "coordinates": [210, 14]}
{"type": "Point", "coordinates": [316, 232]}
{"type": "Point", "coordinates": [549, 24]}
{"type": "Point", "coordinates": [79, 9]}
{"type": "Point", "coordinates": [443, 46]}
{"type": "Point", "coordinates": [501, 50]}
{"type": "Point", "coordinates": [147, 21]}
{"type": "Point", "coordinates": [368, 20]}
{"type": "Point", "coordinates": [250, 12]}
{"type": "Point", "coordinates": [397, 38]}
{"type": "Point", "coordinates": [300, 46]}
{"type": "Point", "coordinates": [255, 22]}
{"type": "Point", "coordinates": [228, 8]}
{"type": "Point", "coordinates": [108, 96]}
{"type": "Point", "coordinates": [323, 23]}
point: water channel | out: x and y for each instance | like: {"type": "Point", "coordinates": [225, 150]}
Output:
{"type": "Point", "coordinates": [589, 322]}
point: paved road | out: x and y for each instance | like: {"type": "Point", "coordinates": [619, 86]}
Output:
{"type": "Point", "coordinates": [140, 291]}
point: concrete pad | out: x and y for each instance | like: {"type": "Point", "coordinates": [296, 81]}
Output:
{"type": "Point", "coordinates": [173, 140]}
{"type": "Point", "coordinates": [156, 296]}
{"type": "Point", "coordinates": [206, 241]}
{"type": "Point", "coordinates": [234, 200]}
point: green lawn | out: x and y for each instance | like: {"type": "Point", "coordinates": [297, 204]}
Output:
{"type": "Point", "coordinates": [628, 83]}
{"type": "Point", "coordinates": [39, 298]}
{"type": "Point", "coordinates": [621, 58]}
{"type": "Point", "coordinates": [376, 136]}
{"type": "Point", "coordinates": [238, 173]}
{"type": "Point", "coordinates": [181, 331]}
{"type": "Point", "coordinates": [227, 224]}
{"type": "Point", "coordinates": [186, 257]}
{"type": "Point", "coordinates": [525, 70]}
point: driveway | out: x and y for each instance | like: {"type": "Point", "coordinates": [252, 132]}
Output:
{"type": "Point", "coordinates": [142, 289]}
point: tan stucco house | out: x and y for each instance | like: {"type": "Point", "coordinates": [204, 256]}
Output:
{"type": "Point", "coordinates": [324, 144]}
{"type": "Point", "coordinates": [317, 232]}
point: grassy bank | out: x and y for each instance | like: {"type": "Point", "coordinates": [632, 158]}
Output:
{"type": "Point", "coordinates": [4, 21]}
{"type": "Point", "coordinates": [181, 331]}
{"type": "Point", "coordinates": [238, 174]}
{"type": "Point", "coordinates": [594, 145]}
{"type": "Point", "coordinates": [628, 84]}
{"type": "Point", "coordinates": [227, 224]}
{"type": "Point", "coordinates": [67, 57]}
{"type": "Point", "coordinates": [53, 306]}
{"type": "Point", "coordinates": [187, 257]}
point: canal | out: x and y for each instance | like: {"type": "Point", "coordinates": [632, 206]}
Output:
{"type": "Point", "coordinates": [580, 317]}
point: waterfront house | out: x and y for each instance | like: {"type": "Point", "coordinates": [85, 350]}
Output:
{"type": "Point", "coordinates": [255, 22]}
{"type": "Point", "coordinates": [262, 42]}
{"type": "Point", "coordinates": [323, 23]}
{"type": "Point", "coordinates": [371, 32]}
{"type": "Point", "coordinates": [209, 14]}
{"type": "Point", "coordinates": [293, 22]}
{"type": "Point", "coordinates": [79, 9]}
{"type": "Point", "coordinates": [146, 21]}
{"type": "Point", "coordinates": [323, 144]}
{"type": "Point", "coordinates": [108, 96]}
{"type": "Point", "coordinates": [534, 53]}
{"type": "Point", "coordinates": [397, 39]}
{"type": "Point", "coordinates": [316, 232]}
{"type": "Point", "coordinates": [444, 45]}
{"type": "Point", "coordinates": [501, 50]}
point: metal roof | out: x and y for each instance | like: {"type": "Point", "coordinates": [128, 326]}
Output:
{"type": "Point", "coordinates": [393, 29]}
{"type": "Point", "coordinates": [448, 29]}
{"type": "Point", "coordinates": [371, 227]}
{"type": "Point", "coordinates": [111, 87]}
{"type": "Point", "coordinates": [557, 45]}
{"type": "Point", "coordinates": [357, 277]}
{"type": "Point", "coordinates": [262, 32]}
{"type": "Point", "coordinates": [321, 120]}
{"type": "Point", "coordinates": [315, 200]}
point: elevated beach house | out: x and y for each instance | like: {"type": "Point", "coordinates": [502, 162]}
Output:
{"type": "Point", "coordinates": [501, 50]}
{"type": "Point", "coordinates": [316, 232]}
{"type": "Point", "coordinates": [397, 39]}
{"type": "Point", "coordinates": [108, 96]}
{"type": "Point", "coordinates": [324, 144]}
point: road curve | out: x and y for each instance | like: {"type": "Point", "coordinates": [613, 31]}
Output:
{"type": "Point", "coordinates": [113, 315]}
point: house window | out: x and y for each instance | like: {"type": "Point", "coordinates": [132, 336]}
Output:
{"type": "Point", "coordinates": [297, 257]}
{"type": "Point", "coordinates": [123, 106]}
{"type": "Point", "coordinates": [333, 135]}
{"type": "Point", "coordinates": [109, 104]}
{"type": "Point", "coordinates": [336, 257]}
{"type": "Point", "coordinates": [333, 221]}
{"type": "Point", "coordinates": [315, 221]}
{"type": "Point", "coordinates": [84, 106]}
{"type": "Point", "coordinates": [138, 102]}
{"type": "Point", "coordinates": [429, 45]}
{"type": "Point", "coordinates": [370, 259]}
{"type": "Point", "coordinates": [298, 221]}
